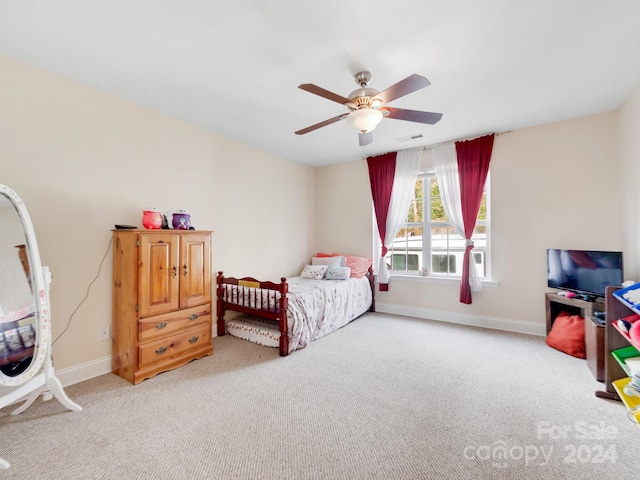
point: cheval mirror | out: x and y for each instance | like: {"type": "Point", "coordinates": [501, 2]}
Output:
{"type": "Point", "coordinates": [26, 368]}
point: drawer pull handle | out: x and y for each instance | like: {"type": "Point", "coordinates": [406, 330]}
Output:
{"type": "Point", "coordinates": [194, 339]}
{"type": "Point", "coordinates": [161, 350]}
{"type": "Point", "coordinates": [161, 325]}
{"type": "Point", "coordinates": [175, 271]}
{"type": "Point", "coordinates": [186, 270]}
{"type": "Point", "coordinates": [194, 316]}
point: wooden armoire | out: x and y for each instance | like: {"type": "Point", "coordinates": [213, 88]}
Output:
{"type": "Point", "coordinates": [161, 301]}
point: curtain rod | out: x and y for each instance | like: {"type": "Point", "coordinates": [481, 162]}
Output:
{"type": "Point", "coordinates": [430, 147]}
{"type": "Point", "coordinates": [497, 134]}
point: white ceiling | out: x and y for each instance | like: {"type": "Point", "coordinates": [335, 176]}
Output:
{"type": "Point", "coordinates": [233, 66]}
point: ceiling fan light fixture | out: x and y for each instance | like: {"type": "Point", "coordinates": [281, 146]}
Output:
{"type": "Point", "coordinates": [365, 120]}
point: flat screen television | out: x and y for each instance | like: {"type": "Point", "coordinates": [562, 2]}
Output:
{"type": "Point", "coordinates": [584, 271]}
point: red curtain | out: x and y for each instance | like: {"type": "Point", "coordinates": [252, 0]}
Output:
{"type": "Point", "coordinates": [473, 165]}
{"type": "Point", "coordinates": [382, 170]}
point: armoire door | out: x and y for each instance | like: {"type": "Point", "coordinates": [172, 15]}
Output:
{"type": "Point", "coordinates": [159, 278]}
{"type": "Point", "coordinates": [195, 270]}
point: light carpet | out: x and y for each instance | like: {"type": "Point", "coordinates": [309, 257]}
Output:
{"type": "Point", "coordinates": [386, 397]}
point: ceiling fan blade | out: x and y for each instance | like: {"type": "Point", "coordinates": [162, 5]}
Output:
{"type": "Point", "coordinates": [403, 87]}
{"type": "Point", "coordinates": [311, 88]}
{"type": "Point", "coordinates": [322, 124]}
{"type": "Point", "coordinates": [365, 138]}
{"type": "Point", "coordinates": [411, 115]}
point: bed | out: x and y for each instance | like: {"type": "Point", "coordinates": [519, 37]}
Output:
{"type": "Point", "coordinates": [293, 312]}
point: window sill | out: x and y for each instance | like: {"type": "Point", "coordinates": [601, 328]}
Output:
{"type": "Point", "coordinates": [435, 279]}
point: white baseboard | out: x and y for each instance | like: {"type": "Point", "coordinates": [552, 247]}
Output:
{"type": "Point", "coordinates": [84, 371]}
{"type": "Point", "coordinates": [495, 323]}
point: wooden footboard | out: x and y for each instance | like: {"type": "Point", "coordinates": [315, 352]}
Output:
{"type": "Point", "coordinates": [252, 297]}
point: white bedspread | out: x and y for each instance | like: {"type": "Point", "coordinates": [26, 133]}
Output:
{"type": "Point", "coordinates": [319, 307]}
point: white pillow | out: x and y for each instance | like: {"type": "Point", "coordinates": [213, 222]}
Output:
{"type": "Point", "coordinates": [315, 272]}
{"type": "Point", "coordinates": [337, 260]}
{"type": "Point", "coordinates": [335, 272]}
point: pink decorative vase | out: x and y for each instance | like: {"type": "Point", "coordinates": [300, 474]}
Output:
{"type": "Point", "coordinates": [151, 219]}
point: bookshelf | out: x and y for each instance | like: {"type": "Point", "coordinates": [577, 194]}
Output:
{"type": "Point", "coordinates": [618, 347]}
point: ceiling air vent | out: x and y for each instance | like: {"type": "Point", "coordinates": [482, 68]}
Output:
{"type": "Point", "coordinates": [410, 137]}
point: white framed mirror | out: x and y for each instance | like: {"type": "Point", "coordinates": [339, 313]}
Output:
{"type": "Point", "coordinates": [23, 313]}
{"type": "Point", "coordinates": [26, 368]}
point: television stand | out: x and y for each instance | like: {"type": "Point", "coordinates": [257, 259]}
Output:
{"type": "Point", "coordinates": [577, 306]}
{"type": "Point", "coordinates": [594, 334]}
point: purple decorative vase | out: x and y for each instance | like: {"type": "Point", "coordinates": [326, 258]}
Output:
{"type": "Point", "coordinates": [181, 220]}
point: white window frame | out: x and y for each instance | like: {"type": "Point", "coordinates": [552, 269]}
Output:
{"type": "Point", "coordinates": [426, 225]}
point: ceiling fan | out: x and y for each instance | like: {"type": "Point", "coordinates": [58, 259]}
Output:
{"type": "Point", "coordinates": [367, 106]}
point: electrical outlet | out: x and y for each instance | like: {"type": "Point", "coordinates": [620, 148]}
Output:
{"type": "Point", "coordinates": [104, 333]}
{"type": "Point", "coordinates": [429, 296]}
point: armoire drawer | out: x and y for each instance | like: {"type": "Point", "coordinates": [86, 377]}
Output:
{"type": "Point", "coordinates": [167, 348]}
{"type": "Point", "coordinates": [158, 326]}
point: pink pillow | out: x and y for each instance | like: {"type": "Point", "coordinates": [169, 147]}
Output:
{"type": "Point", "coordinates": [567, 335]}
{"type": "Point", "coordinates": [359, 265]}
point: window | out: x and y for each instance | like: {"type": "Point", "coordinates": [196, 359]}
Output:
{"type": "Point", "coordinates": [427, 240]}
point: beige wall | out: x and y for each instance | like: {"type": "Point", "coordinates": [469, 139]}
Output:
{"type": "Point", "coordinates": [630, 181]}
{"type": "Point", "coordinates": [552, 186]}
{"type": "Point", "coordinates": [83, 161]}
{"type": "Point", "coordinates": [343, 209]}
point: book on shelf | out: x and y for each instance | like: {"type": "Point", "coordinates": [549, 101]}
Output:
{"type": "Point", "coordinates": [633, 363]}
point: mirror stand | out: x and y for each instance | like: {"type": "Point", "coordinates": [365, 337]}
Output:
{"type": "Point", "coordinates": [45, 383]}
{"type": "Point", "coordinates": [26, 365]}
